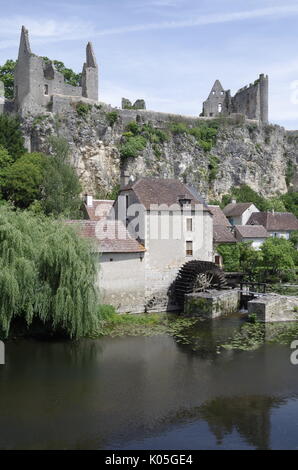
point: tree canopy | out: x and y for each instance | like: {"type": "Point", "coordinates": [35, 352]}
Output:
{"type": "Point", "coordinates": [276, 257]}
{"type": "Point", "coordinates": [47, 272]}
{"type": "Point", "coordinates": [7, 77]}
{"type": "Point", "coordinates": [11, 137]}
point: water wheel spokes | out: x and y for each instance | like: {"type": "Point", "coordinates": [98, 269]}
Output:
{"type": "Point", "coordinates": [197, 276]}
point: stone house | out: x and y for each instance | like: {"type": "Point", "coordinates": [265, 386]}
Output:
{"type": "Point", "coordinates": [143, 238]}
{"type": "Point", "coordinates": [120, 258]}
{"type": "Point", "coordinates": [239, 213]}
{"type": "Point", "coordinates": [256, 234]}
{"type": "Point", "coordinates": [222, 232]}
{"type": "Point", "coordinates": [277, 224]}
{"type": "Point", "coordinates": [172, 223]}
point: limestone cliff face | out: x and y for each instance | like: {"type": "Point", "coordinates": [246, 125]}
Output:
{"type": "Point", "coordinates": [244, 152]}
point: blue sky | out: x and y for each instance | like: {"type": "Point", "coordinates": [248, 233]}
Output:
{"type": "Point", "coordinates": [168, 52]}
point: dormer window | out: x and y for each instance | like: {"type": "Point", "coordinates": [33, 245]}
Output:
{"type": "Point", "coordinates": [184, 200]}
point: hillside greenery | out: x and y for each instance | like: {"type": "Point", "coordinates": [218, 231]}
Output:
{"type": "Point", "coordinates": [46, 184]}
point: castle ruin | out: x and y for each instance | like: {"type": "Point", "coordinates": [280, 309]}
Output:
{"type": "Point", "coordinates": [251, 101]}
{"type": "Point", "coordinates": [39, 87]}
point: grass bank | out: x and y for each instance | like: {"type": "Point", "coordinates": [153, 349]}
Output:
{"type": "Point", "coordinates": [149, 324]}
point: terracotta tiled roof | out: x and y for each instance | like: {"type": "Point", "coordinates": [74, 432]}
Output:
{"type": "Point", "coordinates": [251, 231]}
{"type": "Point", "coordinates": [99, 209]}
{"type": "Point", "coordinates": [219, 217]}
{"type": "Point", "coordinates": [109, 236]}
{"type": "Point", "coordinates": [277, 221]}
{"type": "Point", "coordinates": [236, 209]}
{"type": "Point", "coordinates": [222, 234]}
{"type": "Point", "coordinates": [151, 191]}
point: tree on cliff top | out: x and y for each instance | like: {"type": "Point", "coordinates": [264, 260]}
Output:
{"type": "Point", "coordinates": [7, 77]}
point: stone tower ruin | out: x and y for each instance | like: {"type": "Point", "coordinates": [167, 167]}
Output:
{"type": "Point", "coordinates": [38, 86]}
{"type": "Point", "coordinates": [251, 101]}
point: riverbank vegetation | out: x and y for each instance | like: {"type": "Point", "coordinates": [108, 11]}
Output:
{"type": "Point", "coordinates": [148, 324]}
{"type": "Point", "coordinates": [47, 272]}
{"type": "Point", "coordinates": [277, 260]}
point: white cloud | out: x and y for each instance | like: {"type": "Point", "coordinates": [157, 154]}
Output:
{"type": "Point", "coordinates": [201, 20]}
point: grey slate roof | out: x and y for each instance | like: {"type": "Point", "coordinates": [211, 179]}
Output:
{"type": "Point", "coordinates": [109, 236]}
{"type": "Point", "coordinates": [219, 217]}
{"type": "Point", "coordinates": [236, 209]}
{"type": "Point", "coordinates": [222, 234]}
{"type": "Point", "coordinates": [150, 191]}
{"type": "Point", "coordinates": [277, 221]}
{"type": "Point", "coordinates": [251, 231]}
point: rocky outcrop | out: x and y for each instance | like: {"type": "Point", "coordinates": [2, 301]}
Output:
{"type": "Point", "coordinates": [244, 152]}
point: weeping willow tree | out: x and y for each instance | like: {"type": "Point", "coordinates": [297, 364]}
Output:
{"type": "Point", "coordinates": [47, 272]}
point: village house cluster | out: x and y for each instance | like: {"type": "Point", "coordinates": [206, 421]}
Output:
{"type": "Point", "coordinates": [140, 251]}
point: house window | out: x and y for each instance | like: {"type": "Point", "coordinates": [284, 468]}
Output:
{"type": "Point", "coordinates": [220, 108]}
{"type": "Point", "coordinates": [46, 89]}
{"type": "Point", "coordinates": [189, 225]}
{"type": "Point", "coordinates": [189, 249]}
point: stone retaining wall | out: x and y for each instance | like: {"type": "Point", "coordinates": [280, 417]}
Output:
{"type": "Point", "coordinates": [211, 304]}
{"type": "Point", "coordinates": [271, 308]}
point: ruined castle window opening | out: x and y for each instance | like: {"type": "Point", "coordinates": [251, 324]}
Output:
{"type": "Point", "coordinates": [189, 248]}
{"type": "Point", "coordinates": [189, 224]}
{"type": "Point", "coordinates": [219, 108]}
{"type": "Point", "coordinates": [213, 93]}
{"type": "Point", "coordinates": [46, 89]}
{"type": "Point", "coordinates": [222, 92]}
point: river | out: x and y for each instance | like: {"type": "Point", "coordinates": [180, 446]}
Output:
{"type": "Point", "coordinates": [149, 393]}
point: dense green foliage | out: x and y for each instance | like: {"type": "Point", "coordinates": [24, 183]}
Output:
{"type": "Point", "coordinates": [47, 183]}
{"type": "Point", "coordinates": [70, 76]}
{"type": "Point", "coordinates": [205, 133]}
{"type": "Point", "coordinates": [61, 185]}
{"type": "Point", "coordinates": [112, 117]}
{"type": "Point", "coordinates": [7, 77]}
{"type": "Point", "coordinates": [22, 180]}
{"type": "Point", "coordinates": [290, 201]}
{"type": "Point", "coordinates": [83, 109]}
{"type": "Point", "coordinates": [213, 168]}
{"type": "Point", "coordinates": [276, 259]}
{"type": "Point", "coordinates": [136, 137]}
{"type": "Point", "coordinates": [47, 273]}
{"type": "Point", "coordinates": [11, 136]}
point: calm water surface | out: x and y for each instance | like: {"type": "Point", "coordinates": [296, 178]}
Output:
{"type": "Point", "coordinates": [149, 393]}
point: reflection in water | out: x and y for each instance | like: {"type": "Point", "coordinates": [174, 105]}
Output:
{"type": "Point", "coordinates": [148, 392]}
{"type": "Point", "coordinates": [250, 416]}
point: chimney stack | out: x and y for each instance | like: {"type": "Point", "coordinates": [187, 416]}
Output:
{"type": "Point", "coordinates": [124, 179]}
{"type": "Point", "coordinates": [89, 200]}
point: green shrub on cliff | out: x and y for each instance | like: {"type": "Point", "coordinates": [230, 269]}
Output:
{"type": "Point", "coordinates": [11, 136]}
